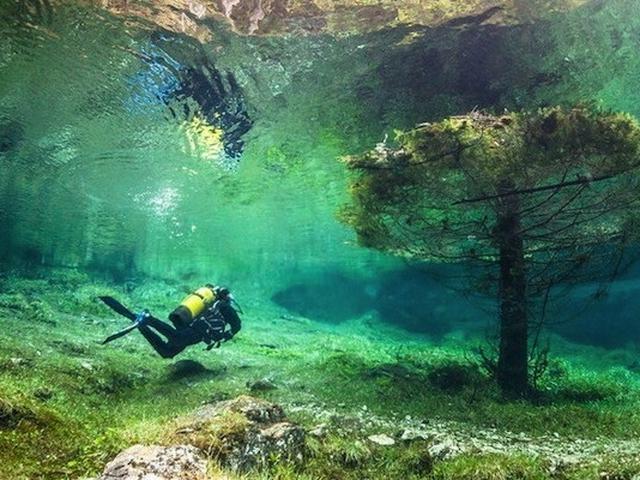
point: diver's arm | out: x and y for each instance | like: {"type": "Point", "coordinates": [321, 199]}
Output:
{"type": "Point", "coordinates": [210, 337]}
{"type": "Point", "coordinates": [232, 318]}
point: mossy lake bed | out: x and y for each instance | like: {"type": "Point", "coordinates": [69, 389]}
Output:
{"type": "Point", "coordinates": [374, 401]}
{"type": "Point", "coordinates": [351, 170]}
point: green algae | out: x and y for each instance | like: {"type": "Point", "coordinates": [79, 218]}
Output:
{"type": "Point", "coordinates": [71, 405]}
{"type": "Point", "coordinates": [88, 402]}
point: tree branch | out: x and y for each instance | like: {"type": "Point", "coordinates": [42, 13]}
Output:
{"type": "Point", "coordinates": [579, 181]}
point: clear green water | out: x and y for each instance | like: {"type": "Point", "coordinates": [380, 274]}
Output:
{"type": "Point", "coordinates": [111, 159]}
{"type": "Point", "coordinates": [115, 162]}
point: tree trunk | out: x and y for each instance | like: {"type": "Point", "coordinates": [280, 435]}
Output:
{"type": "Point", "coordinates": [512, 370]}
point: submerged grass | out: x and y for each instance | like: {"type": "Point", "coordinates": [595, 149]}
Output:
{"type": "Point", "coordinates": [491, 467]}
{"type": "Point", "coordinates": [68, 404]}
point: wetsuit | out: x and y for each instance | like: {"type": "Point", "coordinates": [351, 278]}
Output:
{"type": "Point", "coordinates": [209, 327]}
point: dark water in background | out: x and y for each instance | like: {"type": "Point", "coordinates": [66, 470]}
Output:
{"type": "Point", "coordinates": [131, 151]}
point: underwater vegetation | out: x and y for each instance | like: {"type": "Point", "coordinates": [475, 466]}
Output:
{"type": "Point", "coordinates": [374, 401]}
{"type": "Point", "coordinates": [533, 201]}
{"type": "Point", "coordinates": [148, 148]}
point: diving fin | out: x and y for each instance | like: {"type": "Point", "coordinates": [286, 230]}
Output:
{"type": "Point", "coordinates": [138, 320]}
{"type": "Point", "coordinates": [119, 334]}
{"type": "Point", "coordinates": [117, 307]}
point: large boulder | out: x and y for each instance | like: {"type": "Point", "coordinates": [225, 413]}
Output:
{"type": "Point", "coordinates": [179, 462]}
{"type": "Point", "coordinates": [243, 433]}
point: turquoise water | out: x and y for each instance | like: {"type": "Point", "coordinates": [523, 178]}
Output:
{"type": "Point", "coordinates": [151, 151]}
{"type": "Point", "coordinates": [130, 150]}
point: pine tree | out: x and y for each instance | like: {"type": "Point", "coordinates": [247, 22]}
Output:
{"type": "Point", "coordinates": [540, 200]}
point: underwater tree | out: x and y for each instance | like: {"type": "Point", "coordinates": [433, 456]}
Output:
{"type": "Point", "coordinates": [532, 201]}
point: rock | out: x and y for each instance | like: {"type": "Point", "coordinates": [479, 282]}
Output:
{"type": "Point", "coordinates": [254, 409]}
{"type": "Point", "coordinates": [444, 450]}
{"type": "Point", "coordinates": [189, 368]}
{"type": "Point", "coordinates": [261, 385]}
{"type": "Point", "coordinates": [560, 465]}
{"type": "Point", "coordinates": [218, 397]}
{"type": "Point", "coordinates": [408, 435]}
{"type": "Point", "coordinates": [87, 366]}
{"type": "Point", "coordinates": [18, 361]}
{"type": "Point", "coordinates": [284, 441]}
{"type": "Point", "coordinates": [244, 433]}
{"type": "Point", "coordinates": [319, 431]}
{"type": "Point", "coordinates": [179, 462]}
{"type": "Point", "coordinates": [382, 439]}
{"type": "Point", "coordinates": [43, 394]}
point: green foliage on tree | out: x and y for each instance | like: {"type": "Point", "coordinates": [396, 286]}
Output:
{"type": "Point", "coordinates": [535, 200]}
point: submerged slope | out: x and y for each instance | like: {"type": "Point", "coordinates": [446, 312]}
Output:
{"type": "Point", "coordinates": [68, 405]}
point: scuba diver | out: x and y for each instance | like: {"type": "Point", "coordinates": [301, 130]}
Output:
{"type": "Point", "coordinates": [203, 316]}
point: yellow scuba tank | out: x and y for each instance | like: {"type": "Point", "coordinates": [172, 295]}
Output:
{"type": "Point", "coordinates": [192, 306]}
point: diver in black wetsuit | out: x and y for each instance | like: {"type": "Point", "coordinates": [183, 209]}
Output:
{"type": "Point", "coordinates": [202, 317]}
{"type": "Point", "coordinates": [208, 327]}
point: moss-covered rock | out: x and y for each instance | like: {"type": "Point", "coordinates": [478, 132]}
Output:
{"type": "Point", "coordinates": [27, 308]}
{"type": "Point", "coordinates": [12, 412]}
{"type": "Point", "coordinates": [179, 462]}
{"type": "Point", "coordinates": [243, 433]}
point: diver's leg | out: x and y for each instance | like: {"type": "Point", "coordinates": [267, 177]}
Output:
{"type": "Point", "coordinates": [177, 340]}
{"type": "Point", "coordinates": [164, 349]}
{"type": "Point", "coordinates": [162, 327]}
